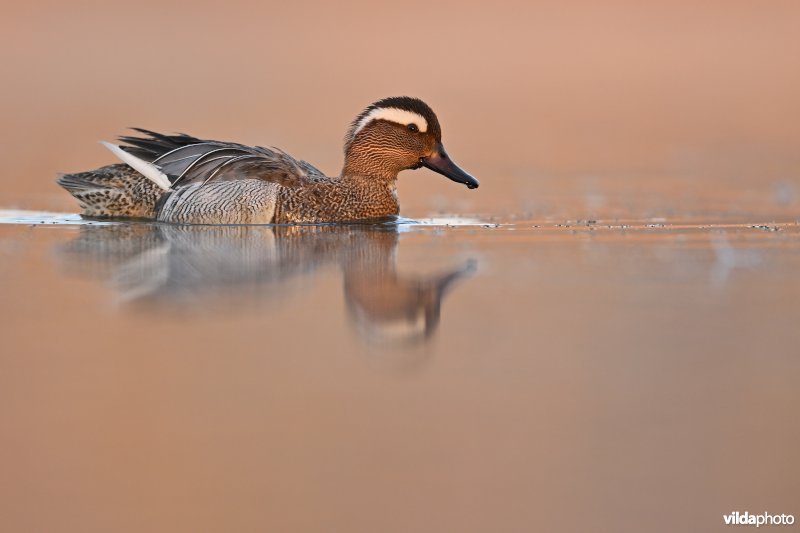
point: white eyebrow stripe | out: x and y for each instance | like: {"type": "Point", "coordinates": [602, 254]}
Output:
{"type": "Point", "coordinates": [393, 114]}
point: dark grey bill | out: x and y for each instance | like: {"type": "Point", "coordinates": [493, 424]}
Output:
{"type": "Point", "coordinates": [441, 163]}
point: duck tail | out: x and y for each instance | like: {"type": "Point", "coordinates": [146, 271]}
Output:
{"type": "Point", "coordinates": [113, 191]}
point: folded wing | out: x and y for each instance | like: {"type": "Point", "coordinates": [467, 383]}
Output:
{"type": "Point", "coordinates": [186, 160]}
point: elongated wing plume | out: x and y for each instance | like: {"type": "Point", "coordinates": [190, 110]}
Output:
{"type": "Point", "coordinates": [148, 170]}
{"type": "Point", "coordinates": [185, 160]}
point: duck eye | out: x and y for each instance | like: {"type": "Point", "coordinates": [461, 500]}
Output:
{"type": "Point", "coordinates": [413, 127]}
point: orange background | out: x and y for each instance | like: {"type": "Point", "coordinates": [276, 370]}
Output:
{"type": "Point", "coordinates": [530, 94]}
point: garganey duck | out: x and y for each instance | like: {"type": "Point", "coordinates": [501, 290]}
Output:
{"type": "Point", "coordinates": [182, 179]}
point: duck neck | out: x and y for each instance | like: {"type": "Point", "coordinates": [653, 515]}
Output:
{"type": "Point", "coordinates": [370, 196]}
{"type": "Point", "coordinates": [359, 162]}
{"type": "Point", "coordinates": [374, 179]}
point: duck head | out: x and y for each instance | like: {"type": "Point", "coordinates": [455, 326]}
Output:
{"type": "Point", "coordinates": [399, 133]}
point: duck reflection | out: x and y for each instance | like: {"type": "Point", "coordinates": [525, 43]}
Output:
{"type": "Point", "coordinates": [195, 269]}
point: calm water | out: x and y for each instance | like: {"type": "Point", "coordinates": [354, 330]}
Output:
{"type": "Point", "coordinates": [602, 338]}
{"type": "Point", "coordinates": [434, 375]}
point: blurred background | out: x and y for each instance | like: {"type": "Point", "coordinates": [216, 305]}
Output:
{"type": "Point", "coordinates": [688, 99]}
{"type": "Point", "coordinates": [611, 347]}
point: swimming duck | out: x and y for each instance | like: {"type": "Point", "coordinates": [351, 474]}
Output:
{"type": "Point", "coordinates": [183, 179]}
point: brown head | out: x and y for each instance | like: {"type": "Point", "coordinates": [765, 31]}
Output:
{"type": "Point", "coordinates": [398, 133]}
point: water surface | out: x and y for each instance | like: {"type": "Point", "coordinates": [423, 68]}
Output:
{"type": "Point", "coordinates": [602, 338]}
{"type": "Point", "coordinates": [460, 374]}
